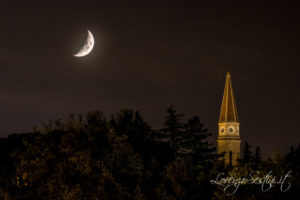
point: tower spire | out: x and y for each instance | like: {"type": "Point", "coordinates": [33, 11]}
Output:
{"type": "Point", "coordinates": [228, 108]}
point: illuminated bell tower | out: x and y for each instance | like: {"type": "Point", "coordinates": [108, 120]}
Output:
{"type": "Point", "coordinates": [229, 127]}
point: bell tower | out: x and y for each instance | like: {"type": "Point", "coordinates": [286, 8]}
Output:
{"type": "Point", "coordinates": [229, 127]}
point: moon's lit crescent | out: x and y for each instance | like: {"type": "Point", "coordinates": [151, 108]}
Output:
{"type": "Point", "coordinates": [87, 47]}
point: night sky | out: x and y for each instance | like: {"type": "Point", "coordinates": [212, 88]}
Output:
{"type": "Point", "coordinates": [149, 55]}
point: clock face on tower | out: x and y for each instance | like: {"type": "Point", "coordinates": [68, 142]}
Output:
{"type": "Point", "coordinates": [230, 129]}
{"type": "Point", "coordinates": [222, 129]}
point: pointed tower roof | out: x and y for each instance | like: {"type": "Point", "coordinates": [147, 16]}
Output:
{"type": "Point", "coordinates": [228, 109]}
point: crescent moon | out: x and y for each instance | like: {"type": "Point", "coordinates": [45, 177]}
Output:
{"type": "Point", "coordinates": [87, 46]}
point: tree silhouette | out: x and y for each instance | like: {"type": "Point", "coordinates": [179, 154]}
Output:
{"type": "Point", "coordinates": [86, 156]}
{"type": "Point", "coordinates": [173, 128]}
{"type": "Point", "coordinates": [194, 144]}
{"type": "Point", "coordinates": [247, 156]}
{"type": "Point", "coordinates": [257, 157]}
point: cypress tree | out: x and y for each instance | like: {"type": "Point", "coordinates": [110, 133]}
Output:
{"type": "Point", "coordinates": [257, 157]}
{"type": "Point", "coordinates": [247, 157]}
{"type": "Point", "coordinates": [173, 128]}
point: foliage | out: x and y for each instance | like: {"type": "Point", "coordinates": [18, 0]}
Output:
{"type": "Point", "coordinates": [91, 157]}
